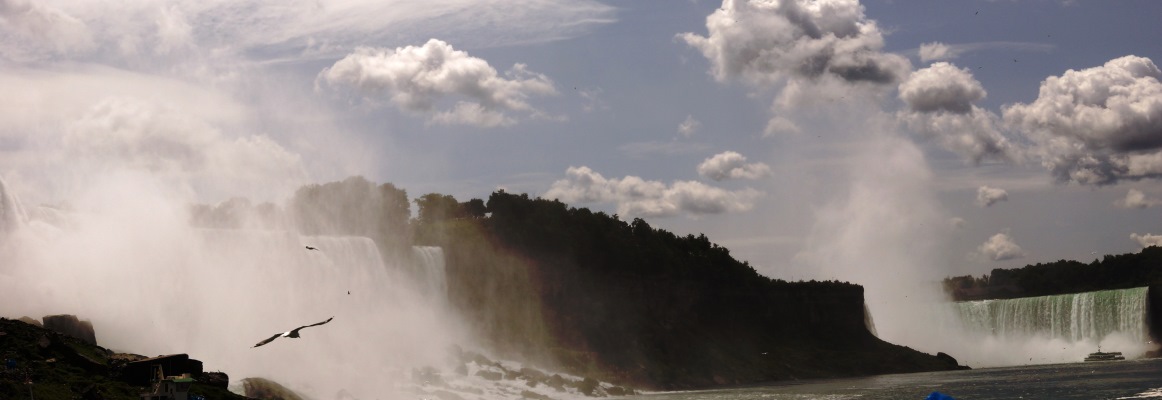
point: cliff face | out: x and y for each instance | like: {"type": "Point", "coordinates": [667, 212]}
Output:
{"type": "Point", "coordinates": [642, 306]}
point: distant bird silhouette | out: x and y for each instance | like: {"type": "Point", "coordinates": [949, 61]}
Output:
{"type": "Point", "coordinates": [311, 248]}
{"type": "Point", "coordinates": [293, 333]}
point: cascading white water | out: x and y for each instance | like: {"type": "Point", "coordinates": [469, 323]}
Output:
{"type": "Point", "coordinates": [430, 270]}
{"type": "Point", "coordinates": [12, 215]}
{"type": "Point", "coordinates": [1041, 330]}
{"type": "Point", "coordinates": [1076, 317]}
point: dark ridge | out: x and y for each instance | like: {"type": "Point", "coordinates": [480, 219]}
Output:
{"type": "Point", "coordinates": [1122, 271]}
{"type": "Point", "coordinates": [43, 364]}
{"type": "Point", "coordinates": [642, 306]}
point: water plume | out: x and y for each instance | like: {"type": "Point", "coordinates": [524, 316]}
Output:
{"type": "Point", "coordinates": [125, 257]}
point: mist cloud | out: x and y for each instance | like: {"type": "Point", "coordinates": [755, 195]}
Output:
{"type": "Point", "coordinates": [731, 165]}
{"type": "Point", "coordinates": [1099, 125]}
{"type": "Point", "coordinates": [987, 196]}
{"type": "Point", "coordinates": [1147, 240]}
{"type": "Point", "coordinates": [765, 42]}
{"type": "Point", "coordinates": [420, 78]}
{"type": "Point", "coordinates": [128, 134]}
{"type": "Point", "coordinates": [638, 197]}
{"type": "Point", "coordinates": [1136, 199]}
{"type": "Point", "coordinates": [940, 107]}
{"type": "Point", "coordinates": [1000, 247]}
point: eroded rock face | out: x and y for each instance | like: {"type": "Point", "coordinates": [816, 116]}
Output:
{"type": "Point", "coordinates": [261, 388]}
{"type": "Point", "coordinates": [67, 324]}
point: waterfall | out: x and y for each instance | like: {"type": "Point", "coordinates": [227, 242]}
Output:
{"type": "Point", "coordinates": [153, 285]}
{"type": "Point", "coordinates": [1076, 317]}
{"type": "Point", "coordinates": [12, 215]}
{"type": "Point", "coordinates": [430, 271]}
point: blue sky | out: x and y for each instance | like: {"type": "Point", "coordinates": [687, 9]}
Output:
{"type": "Point", "coordinates": [815, 140]}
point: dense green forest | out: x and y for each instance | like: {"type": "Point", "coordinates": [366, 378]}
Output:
{"type": "Point", "coordinates": [1064, 276]}
{"type": "Point", "coordinates": [598, 296]}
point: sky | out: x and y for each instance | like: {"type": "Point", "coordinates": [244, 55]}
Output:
{"type": "Point", "coordinates": [825, 139]}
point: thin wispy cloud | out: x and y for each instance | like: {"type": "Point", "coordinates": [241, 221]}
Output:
{"type": "Point", "coordinates": [1136, 199]}
{"type": "Point", "coordinates": [938, 51]}
{"type": "Point", "coordinates": [689, 126]}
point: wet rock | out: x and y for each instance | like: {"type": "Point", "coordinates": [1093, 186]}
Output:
{"type": "Point", "coordinates": [490, 375]}
{"type": "Point", "coordinates": [266, 389]}
{"type": "Point", "coordinates": [67, 324]}
{"type": "Point", "coordinates": [528, 394]}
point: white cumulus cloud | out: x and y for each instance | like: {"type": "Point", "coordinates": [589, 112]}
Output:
{"type": "Point", "coordinates": [935, 51]}
{"type": "Point", "coordinates": [1136, 199]}
{"type": "Point", "coordinates": [987, 196]}
{"type": "Point", "coordinates": [1147, 240]}
{"type": "Point", "coordinates": [1099, 125]}
{"type": "Point", "coordinates": [767, 41]}
{"type": "Point", "coordinates": [731, 165]}
{"type": "Point", "coordinates": [1000, 247]}
{"type": "Point", "coordinates": [940, 107]}
{"type": "Point", "coordinates": [422, 78]}
{"type": "Point", "coordinates": [638, 197]}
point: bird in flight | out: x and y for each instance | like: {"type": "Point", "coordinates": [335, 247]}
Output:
{"type": "Point", "coordinates": [311, 248]}
{"type": "Point", "coordinates": [293, 333]}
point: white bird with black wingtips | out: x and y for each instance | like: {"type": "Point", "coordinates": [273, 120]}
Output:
{"type": "Point", "coordinates": [293, 333]}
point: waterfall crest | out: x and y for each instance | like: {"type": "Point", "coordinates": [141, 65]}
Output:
{"type": "Point", "coordinates": [1075, 317]}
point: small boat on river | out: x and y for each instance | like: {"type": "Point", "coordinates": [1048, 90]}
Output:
{"type": "Point", "coordinates": [1099, 356]}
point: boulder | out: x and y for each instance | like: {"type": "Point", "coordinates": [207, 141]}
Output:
{"type": "Point", "coordinates": [66, 324]}
{"type": "Point", "coordinates": [261, 388]}
{"type": "Point", "coordinates": [28, 320]}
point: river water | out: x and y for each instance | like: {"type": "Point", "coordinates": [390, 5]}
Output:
{"type": "Point", "coordinates": [1135, 379]}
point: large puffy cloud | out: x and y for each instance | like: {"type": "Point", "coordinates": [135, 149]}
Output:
{"type": "Point", "coordinates": [1136, 199]}
{"type": "Point", "coordinates": [731, 165]}
{"type": "Point", "coordinates": [987, 196]}
{"type": "Point", "coordinates": [1000, 247]}
{"type": "Point", "coordinates": [1098, 125]}
{"type": "Point", "coordinates": [941, 87]}
{"type": "Point", "coordinates": [420, 78]}
{"type": "Point", "coordinates": [940, 107]}
{"type": "Point", "coordinates": [767, 41]}
{"type": "Point", "coordinates": [1147, 240]}
{"type": "Point", "coordinates": [638, 197]}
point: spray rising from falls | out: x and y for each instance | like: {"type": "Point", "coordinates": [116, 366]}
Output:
{"type": "Point", "coordinates": [151, 284]}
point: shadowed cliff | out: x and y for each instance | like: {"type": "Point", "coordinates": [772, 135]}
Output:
{"type": "Point", "coordinates": [642, 306]}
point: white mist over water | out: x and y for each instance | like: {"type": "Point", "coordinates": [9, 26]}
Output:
{"type": "Point", "coordinates": [888, 234]}
{"type": "Point", "coordinates": [126, 258]}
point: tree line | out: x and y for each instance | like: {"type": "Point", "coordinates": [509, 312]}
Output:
{"type": "Point", "coordinates": [1121, 271]}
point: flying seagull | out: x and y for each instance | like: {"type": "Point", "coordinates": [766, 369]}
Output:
{"type": "Point", "coordinates": [293, 333]}
{"type": "Point", "coordinates": [311, 248]}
